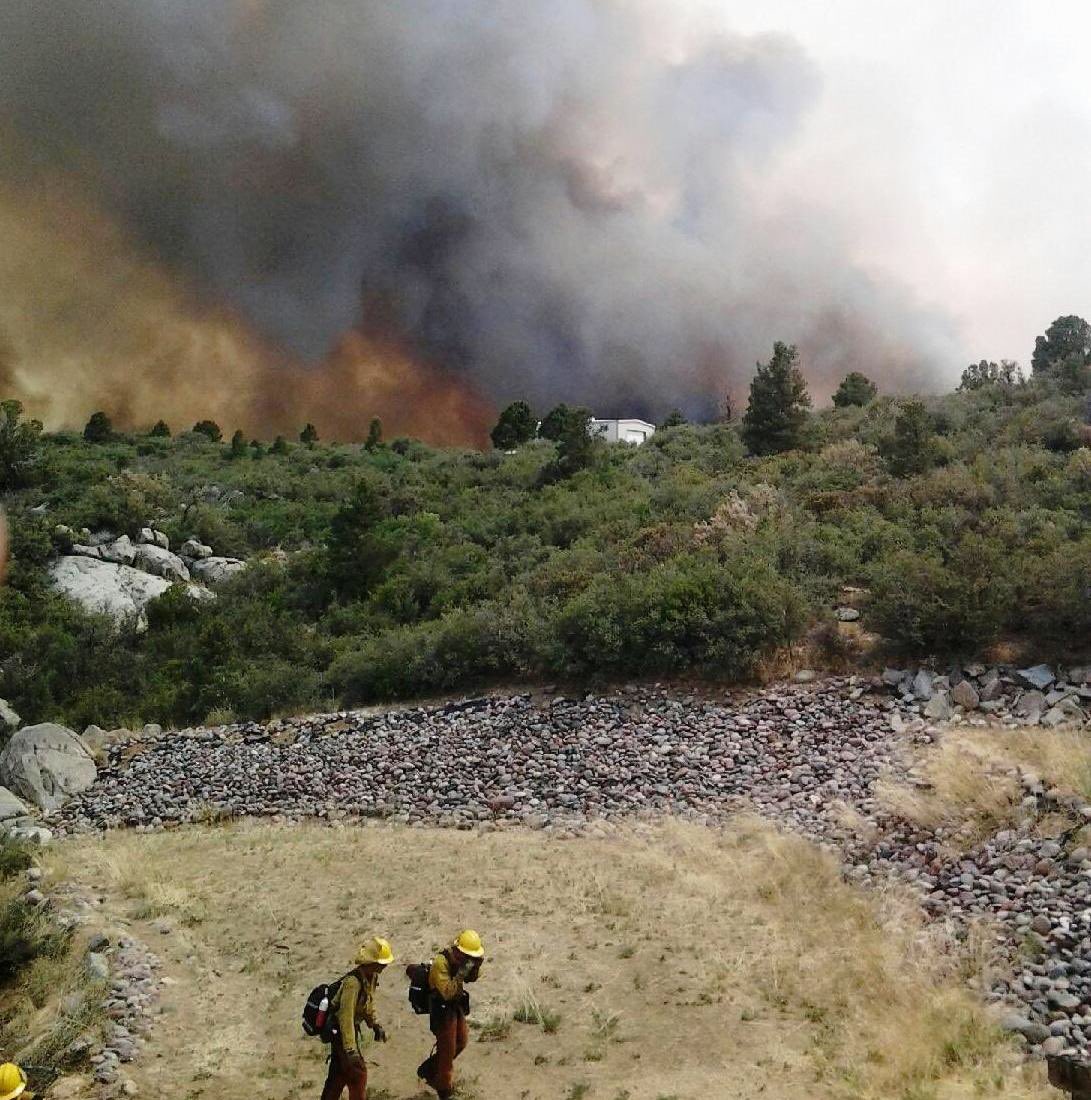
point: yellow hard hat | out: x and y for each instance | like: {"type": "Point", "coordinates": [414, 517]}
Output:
{"type": "Point", "coordinates": [12, 1081]}
{"type": "Point", "coordinates": [469, 943]}
{"type": "Point", "coordinates": [376, 950]}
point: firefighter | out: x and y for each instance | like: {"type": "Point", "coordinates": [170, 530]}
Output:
{"type": "Point", "coordinates": [13, 1082]}
{"type": "Point", "coordinates": [451, 969]}
{"type": "Point", "coordinates": [354, 1004]}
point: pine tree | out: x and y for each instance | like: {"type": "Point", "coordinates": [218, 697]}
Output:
{"type": "Point", "coordinates": [777, 412]}
{"type": "Point", "coordinates": [555, 421]}
{"type": "Point", "coordinates": [280, 446]}
{"type": "Point", "coordinates": [160, 430]}
{"type": "Point", "coordinates": [515, 426]}
{"type": "Point", "coordinates": [374, 435]}
{"type": "Point", "coordinates": [1067, 339]}
{"type": "Point", "coordinates": [576, 445]}
{"type": "Point", "coordinates": [357, 553]}
{"type": "Point", "coordinates": [309, 435]}
{"type": "Point", "coordinates": [913, 448]}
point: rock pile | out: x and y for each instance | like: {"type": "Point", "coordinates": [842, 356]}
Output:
{"type": "Point", "coordinates": [1026, 696]}
{"type": "Point", "coordinates": [111, 574]}
{"type": "Point", "coordinates": [793, 752]}
{"type": "Point", "coordinates": [123, 973]}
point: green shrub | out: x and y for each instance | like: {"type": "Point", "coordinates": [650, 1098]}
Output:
{"type": "Point", "coordinates": [926, 603]}
{"type": "Point", "coordinates": [690, 612]}
{"type": "Point", "coordinates": [25, 934]}
{"type": "Point", "coordinates": [1058, 595]}
{"type": "Point", "coordinates": [15, 858]}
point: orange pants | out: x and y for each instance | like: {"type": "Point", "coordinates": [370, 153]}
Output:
{"type": "Point", "coordinates": [452, 1034]}
{"type": "Point", "coordinates": [345, 1072]}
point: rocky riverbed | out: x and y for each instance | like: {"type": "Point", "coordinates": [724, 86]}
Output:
{"type": "Point", "coordinates": [801, 754]}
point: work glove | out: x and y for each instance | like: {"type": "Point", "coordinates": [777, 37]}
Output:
{"type": "Point", "coordinates": [379, 1032]}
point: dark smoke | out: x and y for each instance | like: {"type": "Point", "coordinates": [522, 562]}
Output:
{"type": "Point", "coordinates": [562, 199]}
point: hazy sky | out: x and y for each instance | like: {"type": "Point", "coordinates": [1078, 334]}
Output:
{"type": "Point", "coordinates": [611, 202]}
{"type": "Point", "coordinates": [964, 129]}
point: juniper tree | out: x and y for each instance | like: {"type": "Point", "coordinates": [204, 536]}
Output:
{"type": "Point", "coordinates": [855, 389]}
{"type": "Point", "coordinates": [98, 429]}
{"type": "Point", "coordinates": [210, 429]}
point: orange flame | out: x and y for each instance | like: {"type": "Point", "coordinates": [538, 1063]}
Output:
{"type": "Point", "coordinates": [87, 322]}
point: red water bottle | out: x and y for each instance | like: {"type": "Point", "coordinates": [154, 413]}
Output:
{"type": "Point", "coordinates": [320, 1016]}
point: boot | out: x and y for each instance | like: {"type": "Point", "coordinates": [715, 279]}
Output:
{"type": "Point", "coordinates": [424, 1070]}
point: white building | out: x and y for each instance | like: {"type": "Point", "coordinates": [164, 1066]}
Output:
{"type": "Point", "coordinates": [623, 431]}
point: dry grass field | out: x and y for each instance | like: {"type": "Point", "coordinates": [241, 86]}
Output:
{"type": "Point", "coordinates": [973, 778]}
{"type": "Point", "coordinates": [665, 963]}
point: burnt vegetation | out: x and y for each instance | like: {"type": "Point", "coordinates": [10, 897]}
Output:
{"type": "Point", "coordinates": [398, 570]}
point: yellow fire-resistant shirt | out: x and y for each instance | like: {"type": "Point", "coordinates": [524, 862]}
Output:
{"type": "Point", "coordinates": [446, 983]}
{"type": "Point", "coordinates": [354, 1004]}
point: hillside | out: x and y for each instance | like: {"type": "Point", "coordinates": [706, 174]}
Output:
{"type": "Point", "coordinates": [397, 570]}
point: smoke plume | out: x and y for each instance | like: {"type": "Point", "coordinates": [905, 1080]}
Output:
{"type": "Point", "coordinates": [272, 212]}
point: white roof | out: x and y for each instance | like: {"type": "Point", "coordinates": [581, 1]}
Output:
{"type": "Point", "coordinates": [631, 421]}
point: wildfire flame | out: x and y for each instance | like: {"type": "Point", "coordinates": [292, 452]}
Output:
{"type": "Point", "coordinates": [87, 322]}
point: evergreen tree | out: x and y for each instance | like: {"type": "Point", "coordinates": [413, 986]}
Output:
{"type": "Point", "coordinates": [985, 373]}
{"type": "Point", "coordinates": [515, 426]}
{"type": "Point", "coordinates": [280, 446]}
{"type": "Point", "coordinates": [777, 413]}
{"type": "Point", "coordinates": [210, 429]}
{"type": "Point", "coordinates": [576, 445]}
{"type": "Point", "coordinates": [855, 389]}
{"type": "Point", "coordinates": [913, 448]}
{"type": "Point", "coordinates": [357, 553]}
{"type": "Point", "coordinates": [555, 422]}
{"type": "Point", "coordinates": [20, 443]}
{"type": "Point", "coordinates": [160, 430]}
{"type": "Point", "coordinates": [98, 429]}
{"type": "Point", "coordinates": [1068, 339]}
{"type": "Point", "coordinates": [674, 419]}
{"type": "Point", "coordinates": [257, 448]}
{"type": "Point", "coordinates": [238, 444]}
{"type": "Point", "coordinates": [374, 435]}
{"type": "Point", "coordinates": [309, 435]}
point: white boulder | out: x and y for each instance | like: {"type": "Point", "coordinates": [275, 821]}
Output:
{"type": "Point", "coordinates": [46, 763]}
{"type": "Point", "coordinates": [121, 551]}
{"type": "Point", "coordinates": [98, 586]}
{"type": "Point", "coordinates": [9, 719]}
{"type": "Point", "coordinates": [217, 570]}
{"type": "Point", "coordinates": [191, 548]}
{"type": "Point", "coordinates": [161, 563]}
{"type": "Point", "coordinates": [11, 806]}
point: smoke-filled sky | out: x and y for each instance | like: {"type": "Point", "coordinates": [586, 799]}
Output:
{"type": "Point", "coordinates": [270, 212]}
